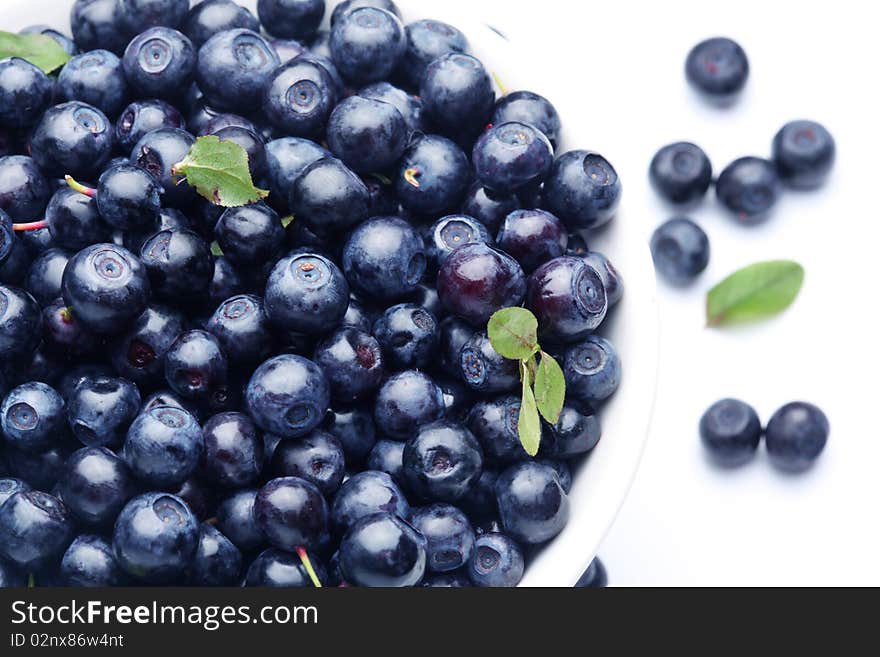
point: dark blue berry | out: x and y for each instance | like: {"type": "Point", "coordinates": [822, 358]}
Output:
{"type": "Point", "coordinates": [582, 189]}
{"type": "Point", "coordinates": [383, 551]}
{"type": "Point", "coordinates": [611, 278]}
{"type": "Point", "coordinates": [299, 97]}
{"type": "Point", "coordinates": [136, 15]}
{"type": "Point", "coordinates": [408, 335]}
{"type": "Point", "coordinates": [368, 135]}
{"type": "Point", "coordinates": [387, 457]}
{"type": "Point", "coordinates": [31, 416]}
{"type": "Point", "coordinates": [531, 502]}
{"type": "Point", "coordinates": [100, 410]}
{"type": "Point", "coordinates": [233, 69]}
{"type": "Point", "coordinates": [242, 329]}
{"type": "Point", "coordinates": [458, 95]}
{"type": "Point", "coordinates": [96, 485]}
{"type": "Point", "coordinates": [291, 19]}
{"type": "Point", "coordinates": [24, 191]}
{"type": "Point", "coordinates": [235, 518]}
{"type": "Point", "coordinates": [680, 249]}
{"type": "Point", "coordinates": [288, 396]}
{"type": "Point", "coordinates": [128, 197]}
{"type": "Point", "coordinates": [157, 152]}
{"type": "Point", "coordinates": [163, 447]}
{"type": "Point", "coordinates": [531, 109]}
{"type": "Point", "coordinates": [208, 18]}
{"type": "Point", "coordinates": [347, 6]}
{"type": "Point", "coordinates": [43, 280]}
{"type": "Point", "coordinates": [426, 41]}
{"type": "Point", "coordinates": [352, 362]}
{"type": "Point", "coordinates": [433, 176]}
{"type": "Point", "coordinates": [34, 529]}
{"type": "Point", "coordinates": [592, 369]}
{"type": "Point", "coordinates": [749, 187]}
{"type": "Point", "coordinates": [89, 562]}
{"type": "Point", "coordinates": [72, 139]}
{"type": "Point", "coordinates": [406, 402]}
{"type": "Point", "coordinates": [484, 369]}
{"type": "Point", "coordinates": [97, 24]}
{"type": "Point", "coordinates": [286, 160]}
{"type": "Point", "coordinates": [488, 207]}
{"type": "Point", "coordinates": [317, 458]}
{"type": "Point", "coordinates": [138, 355]}
{"type": "Point", "coordinates": [731, 431]}
{"type": "Point", "coordinates": [442, 462]}
{"type": "Point", "coordinates": [568, 298]}
{"type": "Point", "coordinates": [576, 432]}
{"type": "Point", "coordinates": [594, 577]}
{"type": "Point", "coordinates": [365, 494]}
{"type": "Point", "coordinates": [250, 235]}
{"type": "Point", "coordinates": [497, 562]}
{"type": "Point", "coordinates": [74, 221]}
{"type": "Point", "coordinates": [450, 233]}
{"type": "Point", "coordinates": [796, 436]}
{"type": "Point", "coordinates": [511, 156]}
{"type": "Point", "coordinates": [279, 569]}
{"type": "Point", "coordinates": [292, 513]}
{"type": "Point", "coordinates": [354, 428]}
{"type": "Point", "coordinates": [804, 153]}
{"type": "Point", "coordinates": [196, 367]}
{"type": "Point", "coordinates": [96, 78]}
{"type": "Point", "coordinates": [159, 62]}
{"type": "Point", "coordinates": [410, 107]}
{"type": "Point", "coordinates": [367, 44]}
{"type": "Point", "coordinates": [9, 486]}
{"type": "Point", "coordinates": [449, 534]}
{"type": "Point", "coordinates": [329, 198]}
{"type": "Point", "coordinates": [217, 561]}
{"type": "Point", "coordinates": [681, 173]}
{"type": "Point", "coordinates": [532, 237]}
{"type": "Point", "coordinates": [233, 454]}
{"type": "Point", "coordinates": [25, 93]}
{"type": "Point", "coordinates": [718, 68]}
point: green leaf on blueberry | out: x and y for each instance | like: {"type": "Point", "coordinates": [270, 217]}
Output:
{"type": "Point", "coordinates": [40, 50]}
{"type": "Point", "coordinates": [513, 333]}
{"type": "Point", "coordinates": [549, 388]}
{"type": "Point", "coordinates": [756, 292]}
{"type": "Point", "coordinates": [529, 425]}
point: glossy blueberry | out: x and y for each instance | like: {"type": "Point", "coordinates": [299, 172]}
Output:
{"type": "Point", "coordinates": [365, 494]}
{"type": "Point", "coordinates": [128, 197]}
{"type": "Point", "coordinates": [476, 280]}
{"type": "Point", "coordinates": [494, 423]}
{"type": "Point", "coordinates": [74, 221]}
{"type": "Point", "coordinates": [317, 458]}
{"type": "Point", "coordinates": [355, 430]}
{"type": "Point", "coordinates": [198, 497]}
{"type": "Point", "coordinates": [457, 398]}
{"type": "Point", "coordinates": [163, 447]}
{"type": "Point", "coordinates": [179, 264]}
{"type": "Point", "coordinates": [34, 528]}
{"type": "Point", "coordinates": [279, 569]}
{"type": "Point", "coordinates": [512, 155]}
{"type": "Point", "coordinates": [479, 502]}
{"type": "Point", "coordinates": [31, 416]}
{"type": "Point", "coordinates": [592, 369]}
{"type": "Point", "coordinates": [196, 367]}
{"type": "Point", "coordinates": [291, 19]}
{"type": "Point", "coordinates": [718, 68]}
{"type": "Point", "coordinates": [406, 402]}
{"type": "Point", "coordinates": [96, 24]}
{"type": "Point", "coordinates": [24, 191]}
{"type": "Point", "coordinates": [288, 396]}
{"type": "Point", "coordinates": [100, 410]}
{"type": "Point", "coordinates": [582, 189]}
{"type": "Point", "coordinates": [155, 538]}
{"type": "Point", "coordinates": [449, 535]}
{"type": "Point", "coordinates": [136, 15]}
{"type": "Point", "coordinates": [681, 173]}
{"type": "Point", "coordinates": [384, 258]}
{"type": "Point", "coordinates": [43, 280]}
{"type": "Point", "coordinates": [329, 198]}
{"type": "Point", "coordinates": [353, 363]}
{"type": "Point", "coordinates": [425, 295]}
{"type": "Point", "coordinates": [72, 139]}
{"type": "Point", "coordinates": [731, 431]}
{"type": "Point", "coordinates": [562, 470]}
{"type": "Point", "coordinates": [426, 41]}
{"type": "Point", "coordinates": [157, 152]}
{"type": "Point", "coordinates": [594, 577]}
{"type": "Point", "coordinates": [233, 454]}
{"type": "Point", "coordinates": [387, 457]}
{"type": "Point", "coordinates": [234, 67]}
{"type": "Point", "coordinates": [347, 6]}
{"type": "Point", "coordinates": [367, 44]}
{"type": "Point", "coordinates": [208, 18]}
{"type": "Point", "coordinates": [458, 95]}
{"type": "Point", "coordinates": [42, 470]}
{"type": "Point", "coordinates": [488, 207]}
{"type": "Point", "coordinates": [217, 121]}
{"type": "Point", "coordinates": [433, 176]}
{"type": "Point", "coordinates": [408, 335]}
{"type": "Point", "coordinates": [368, 135]}
{"type": "Point", "coordinates": [358, 316]}
{"type": "Point", "coordinates": [568, 298]}
{"type": "Point", "coordinates": [531, 109]}
{"type": "Point", "coordinates": [497, 562]}
{"type": "Point", "coordinates": [235, 518]}
{"type": "Point", "coordinates": [96, 485]}
{"type": "Point", "coordinates": [217, 561]}
{"type": "Point", "coordinates": [78, 374]}
{"type": "Point", "coordinates": [442, 462]}
{"type": "Point", "coordinates": [383, 551]}
{"type": "Point", "coordinates": [804, 153]}
{"type": "Point", "coordinates": [749, 187]}
{"type": "Point", "coordinates": [532, 237]}
{"type": "Point", "coordinates": [680, 249]}
{"type": "Point", "coordinates": [292, 513]}
{"type": "Point", "coordinates": [299, 97]}
{"type": "Point", "coordinates": [226, 283]}
{"type": "Point", "coordinates": [138, 354]}
{"type": "Point", "coordinates": [796, 436]}
{"type": "Point", "coordinates": [89, 562]}
{"type": "Point", "coordinates": [159, 62]}
{"type": "Point", "coordinates": [286, 159]}
{"type": "Point", "coordinates": [250, 235]}
{"type": "Point", "coordinates": [306, 293]}
{"type": "Point", "coordinates": [483, 369]}
{"type": "Point", "coordinates": [96, 78]}
{"type": "Point", "coordinates": [576, 432]}
{"type": "Point", "coordinates": [450, 233]}
{"type": "Point", "coordinates": [611, 278]}
{"type": "Point", "coordinates": [9, 486]}
{"type": "Point", "coordinates": [532, 503]}
{"type": "Point", "coordinates": [410, 107]}
{"type": "Point", "coordinates": [25, 93]}
{"type": "Point", "coordinates": [242, 329]}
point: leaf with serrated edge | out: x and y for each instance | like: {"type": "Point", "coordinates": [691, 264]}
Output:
{"type": "Point", "coordinates": [755, 292]}
{"type": "Point", "coordinates": [40, 50]}
{"type": "Point", "coordinates": [549, 388]}
{"type": "Point", "coordinates": [529, 425]}
{"type": "Point", "coordinates": [219, 172]}
{"type": "Point", "coordinates": [513, 333]}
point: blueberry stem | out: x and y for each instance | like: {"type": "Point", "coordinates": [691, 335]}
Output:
{"type": "Point", "coordinates": [411, 176]}
{"type": "Point", "coordinates": [34, 225]}
{"type": "Point", "coordinates": [307, 564]}
{"type": "Point", "coordinates": [500, 83]}
{"type": "Point", "coordinates": [79, 187]}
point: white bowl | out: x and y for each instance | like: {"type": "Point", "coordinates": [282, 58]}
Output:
{"type": "Point", "coordinates": [603, 481]}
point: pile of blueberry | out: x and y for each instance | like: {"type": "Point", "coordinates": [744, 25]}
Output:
{"type": "Point", "coordinates": [803, 154]}
{"type": "Point", "coordinates": [301, 389]}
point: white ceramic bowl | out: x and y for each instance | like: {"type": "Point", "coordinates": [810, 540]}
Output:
{"type": "Point", "coordinates": [601, 484]}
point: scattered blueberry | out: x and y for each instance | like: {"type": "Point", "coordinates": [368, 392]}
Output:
{"type": "Point", "coordinates": [749, 187]}
{"type": "Point", "coordinates": [681, 250]}
{"type": "Point", "coordinates": [804, 153]}
{"type": "Point", "coordinates": [796, 436]}
{"type": "Point", "coordinates": [718, 68]}
{"type": "Point", "coordinates": [731, 431]}
{"type": "Point", "coordinates": [592, 369]}
{"type": "Point", "coordinates": [681, 173]}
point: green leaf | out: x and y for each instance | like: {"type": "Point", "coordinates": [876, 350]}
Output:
{"type": "Point", "coordinates": [513, 333]}
{"type": "Point", "coordinates": [756, 292]}
{"type": "Point", "coordinates": [219, 172]}
{"type": "Point", "coordinates": [216, 251]}
{"type": "Point", "coordinates": [529, 424]}
{"type": "Point", "coordinates": [549, 388]}
{"type": "Point", "coordinates": [286, 221]}
{"type": "Point", "coordinates": [41, 51]}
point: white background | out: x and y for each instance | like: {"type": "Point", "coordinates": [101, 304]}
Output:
{"type": "Point", "coordinates": [618, 67]}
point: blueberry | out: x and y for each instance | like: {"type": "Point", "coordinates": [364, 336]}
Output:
{"type": "Point", "coordinates": [225, 284]}
{"type": "Point", "coordinates": [196, 367]}
{"type": "Point", "coordinates": [681, 250]}
{"type": "Point", "coordinates": [79, 374]}
{"type": "Point", "coordinates": [11, 576]}
{"type": "Point", "coordinates": [718, 68]}
{"type": "Point", "coordinates": [529, 108]}
{"type": "Point", "coordinates": [453, 334]}
{"type": "Point", "coordinates": [292, 513]}
{"type": "Point", "coordinates": [218, 121]}
{"type": "Point", "coordinates": [249, 235]}
{"type": "Point", "coordinates": [235, 518]}
{"type": "Point", "coordinates": [384, 258]}
{"type": "Point", "coordinates": [483, 369]}
{"type": "Point", "coordinates": [458, 95]}
{"type": "Point", "coordinates": [352, 362]}
{"type": "Point", "coordinates": [562, 470]}
{"type": "Point", "coordinates": [348, 6]}
{"type": "Point", "coordinates": [159, 62]}
{"type": "Point", "coordinates": [358, 316]}
{"type": "Point", "coordinates": [128, 197]}
{"type": "Point", "coordinates": [157, 152]}
{"type": "Point", "coordinates": [568, 298]}
{"type": "Point", "coordinates": [594, 577]}
{"type": "Point", "coordinates": [796, 436]}
{"type": "Point", "coordinates": [532, 503]}
{"type": "Point", "coordinates": [233, 69]}
{"type": "Point", "coordinates": [74, 221]}
{"type": "Point", "coordinates": [363, 495]}
{"type": "Point", "coordinates": [9, 486]}
{"type": "Point", "coordinates": [681, 173]}
{"type": "Point", "coordinates": [804, 153]}
{"type": "Point", "coordinates": [286, 159]}
{"type": "Point", "coordinates": [511, 156]}
{"type": "Point", "coordinates": [731, 431]}
{"type": "Point", "coordinates": [299, 97]}
{"type": "Point", "coordinates": [31, 416]}
{"type": "Point", "coordinates": [136, 15]}
{"type": "Point", "coordinates": [749, 187]}
{"type": "Point", "coordinates": [155, 538]}
{"type": "Point", "coordinates": [35, 528]}
{"type": "Point", "coordinates": [442, 462]}
{"type": "Point", "coordinates": [479, 502]}
{"type": "Point", "coordinates": [208, 18]}
{"type": "Point", "coordinates": [476, 280]}
{"type": "Point", "coordinates": [89, 562]}
{"type": "Point", "coordinates": [383, 551]}
{"type": "Point", "coordinates": [611, 278]}
{"type": "Point", "coordinates": [43, 470]}
{"type": "Point", "coordinates": [279, 569]}
{"type": "Point", "coordinates": [497, 562]}
{"type": "Point", "coordinates": [592, 369]}
{"type": "Point", "coordinates": [355, 430]}
{"type": "Point", "coordinates": [408, 335]}
{"type": "Point", "coordinates": [43, 280]}
{"type": "Point", "coordinates": [406, 402]}
{"type": "Point", "coordinates": [96, 485]}
{"type": "Point", "coordinates": [288, 49]}
{"type": "Point", "coordinates": [24, 191]}
{"type": "Point", "coordinates": [100, 410]}
{"type": "Point", "coordinates": [368, 135]}
{"type": "Point", "coordinates": [449, 535]}
{"type": "Point", "coordinates": [72, 139]}
{"type": "Point", "coordinates": [306, 293]}
{"type": "Point", "coordinates": [387, 457]}
{"type": "Point", "coordinates": [317, 458]}
{"type": "Point", "coordinates": [488, 207]}
{"type": "Point", "coordinates": [288, 395]}
{"type": "Point", "coordinates": [433, 176]}
{"type": "Point", "coordinates": [233, 454]}
{"type": "Point", "coordinates": [291, 19]}
{"type": "Point", "coordinates": [452, 232]}
{"type": "Point", "coordinates": [138, 355]}
{"type": "Point", "coordinates": [97, 24]}
{"type": "Point", "coordinates": [494, 423]}
{"type": "Point", "coordinates": [576, 432]}
{"type": "Point", "coordinates": [25, 93]}
{"type": "Point", "coordinates": [96, 78]}
{"type": "Point", "coordinates": [582, 189]}
{"type": "Point", "coordinates": [8, 241]}
{"type": "Point", "coordinates": [426, 41]}
{"type": "Point", "coordinates": [164, 398]}
{"type": "Point", "coordinates": [329, 198]}
{"type": "Point", "coordinates": [532, 237]}
{"type": "Point", "coordinates": [367, 44]}
{"type": "Point", "coordinates": [242, 329]}
{"type": "Point", "coordinates": [409, 106]}
{"type": "Point", "coordinates": [217, 561]}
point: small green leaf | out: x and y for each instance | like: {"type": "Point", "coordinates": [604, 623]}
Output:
{"type": "Point", "coordinates": [549, 388]}
{"type": "Point", "coordinates": [513, 333]}
{"type": "Point", "coordinates": [219, 172]}
{"type": "Point", "coordinates": [756, 292]}
{"type": "Point", "coordinates": [216, 251]}
{"type": "Point", "coordinates": [40, 50]}
{"type": "Point", "coordinates": [286, 221]}
{"type": "Point", "coordinates": [529, 424]}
